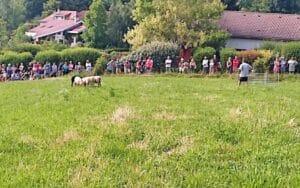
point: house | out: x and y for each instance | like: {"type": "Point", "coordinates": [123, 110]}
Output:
{"type": "Point", "coordinates": [61, 26]}
{"type": "Point", "coordinates": [250, 29]}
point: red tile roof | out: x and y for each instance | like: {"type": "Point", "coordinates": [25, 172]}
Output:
{"type": "Point", "coordinates": [53, 24]}
{"type": "Point", "coordinates": [256, 25]}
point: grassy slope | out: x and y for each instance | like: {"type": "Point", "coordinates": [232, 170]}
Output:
{"type": "Point", "coordinates": [140, 131]}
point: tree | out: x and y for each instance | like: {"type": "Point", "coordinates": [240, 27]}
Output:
{"type": "Point", "coordinates": [96, 23]}
{"type": "Point", "coordinates": [180, 21]}
{"type": "Point", "coordinates": [50, 6]}
{"type": "Point", "coordinates": [3, 33]}
{"type": "Point", "coordinates": [34, 8]}
{"type": "Point", "coordinates": [75, 4]}
{"type": "Point", "coordinates": [231, 4]}
{"type": "Point", "coordinates": [12, 12]}
{"type": "Point", "coordinates": [119, 20]}
{"type": "Point", "coordinates": [143, 8]}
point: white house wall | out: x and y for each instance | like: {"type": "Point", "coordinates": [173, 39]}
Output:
{"type": "Point", "coordinates": [244, 44]}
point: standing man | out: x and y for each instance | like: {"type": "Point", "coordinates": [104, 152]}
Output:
{"type": "Point", "coordinates": [168, 64]}
{"type": "Point", "coordinates": [292, 65]}
{"type": "Point", "coordinates": [205, 65]}
{"type": "Point", "coordinates": [245, 70]}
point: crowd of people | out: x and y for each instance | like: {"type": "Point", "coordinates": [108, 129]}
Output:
{"type": "Point", "coordinates": [207, 66]}
{"type": "Point", "coordinates": [36, 70]}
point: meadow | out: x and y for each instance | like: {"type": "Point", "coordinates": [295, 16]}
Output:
{"type": "Point", "coordinates": [150, 132]}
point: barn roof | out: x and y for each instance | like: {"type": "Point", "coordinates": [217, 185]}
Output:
{"type": "Point", "coordinates": [254, 25]}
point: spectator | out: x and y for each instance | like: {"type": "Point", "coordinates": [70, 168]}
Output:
{"type": "Point", "coordinates": [193, 65]}
{"type": "Point", "coordinates": [127, 66]}
{"type": "Point", "coordinates": [186, 66]}
{"type": "Point", "coordinates": [138, 66]}
{"type": "Point", "coordinates": [65, 69]}
{"type": "Point", "coordinates": [168, 64]}
{"type": "Point", "coordinates": [149, 65]}
{"type": "Point", "coordinates": [205, 65]}
{"type": "Point", "coordinates": [88, 66]}
{"type": "Point", "coordinates": [47, 69]}
{"type": "Point", "coordinates": [181, 66]}
{"type": "Point", "coordinates": [292, 65]}
{"type": "Point", "coordinates": [78, 67]}
{"type": "Point", "coordinates": [276, 67]}
{"type": "Point", "coordinates": [109, 67]}
{"type": "Point", "coordinates": [211, 66]}
{"type": "Point", "coordinates": [60, 68]}
{"type": "Point", "coordinates": [245, 70]}
{"type": "Point", "coordinates": [9, 71]}
{"type": "Point", "coordinates": [283, 65]}
{"type": "Point", "coordinates": [118, 66]}
{"type": "Point", "coordinates": [229, 65]}
{"type": "Point", "coordinates": [71, 66]}
{"type": "Point", "coordinates": [54, 70]}
{"type": "Point", "coordinates": [235, 64]}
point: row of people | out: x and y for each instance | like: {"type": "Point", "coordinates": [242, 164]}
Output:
{"type": "Point", "coordinates": [36, 70]}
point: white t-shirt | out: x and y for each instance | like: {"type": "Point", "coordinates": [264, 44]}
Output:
{"type": "Point", "coordinates": [292, 65]}
{"type": "Point", "coordinates": [168, 63]}
{"type": "Point", "coordinates": [205, 63]}
{"type": "Point", "coordinates": [245, 69]}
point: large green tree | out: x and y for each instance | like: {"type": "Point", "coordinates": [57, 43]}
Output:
{"type": "Point", "coordinates": [96, 23]}
{"type": "Point", "coordinates": [119, 20]}
{"type": "Point", "coordinates": [12, 12]}
{"type": "Point", "coordinates": [180, 21]}
{"type": "Point", "coordinates": [3, 33]}
{"type": "Point", "coordinates": [34, 8]}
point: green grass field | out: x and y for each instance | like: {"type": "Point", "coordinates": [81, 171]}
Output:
{"type": "Point", "coordinates": [149, 132]}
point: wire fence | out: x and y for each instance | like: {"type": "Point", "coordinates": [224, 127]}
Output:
{"type": "Point", "coordinates": [264, 78]}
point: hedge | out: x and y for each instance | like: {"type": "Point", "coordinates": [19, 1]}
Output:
{"type": "Point", "coordinates": [50, 56]}
{"type": "Point", "coordinates": [200, 53]}
{"type": "Point", "coordinates": [226, 53]}
{"type": "Point", "coordinates": [249, 56]}
{"type": "Point", "coordinates": [10, 57]}
{"type": "Point", "coordinates": [26, 47]}
{"type": "Point", "coordinates": [159, 51]}
{"type": "Point", "coordinates": [80, 55]}
{"type": "Point", "coordinates": [291, 49]}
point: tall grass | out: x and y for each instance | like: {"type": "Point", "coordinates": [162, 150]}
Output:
{"type": "Point", "coordinates": [149, 132]}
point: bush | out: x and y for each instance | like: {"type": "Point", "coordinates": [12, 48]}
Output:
{"type": "Point", "coordinates": [51, 45]}
{"type": "Point", "coordinates": [226, 53]}
{"type": "Point", "coordinates": [200, 53]}
{"type": "Point", "coordinates": [260, 65]}
{"type": "Point", "coordinates": [50, 56]}
{"type": "Point", "coordinates": [291, 49]}
{"type": "Point", "coordinates": [250, 56]}
{"type": "Point", "coordinates": [80, 55]}
{"type": "Point", "coordinates": [10, 57]}
{"type": "Point", "coordinates": [159, 51]}
{"type": "Point", "coordinates": [26, 47]}
{"type": "Point", "coordinates": [100, 66]}
{"type": "Point", "coordinates": [216, 40]}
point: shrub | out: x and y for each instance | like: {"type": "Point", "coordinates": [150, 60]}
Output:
{"type": "Point", "coordinates": [51, 45]}
{"type": "Point", "coordinates": [226, 53]}
{"type": "Point", "coordinates": [10, 57]}
{"type": "Point", "coordinates": [250, 55]}
{"type": "Point", "coordinates": [291, 49]}
{"type": "Point", "coordinates": [26, 47]}
{"type": "Point", "coordinates": [200, 53]}
{"type": "Point", "coordinates": [216, 40]}
{"type": "Point", "coordinates": [80, 54]}
{"type": "Point", "coordinates": [260, 65]}
{"type": "Point", "coordinates": [158, 51]}
{"type": "Point", "coordinates": [50, 56]}
{"type": "Point", "coordinates": [100, 66]}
